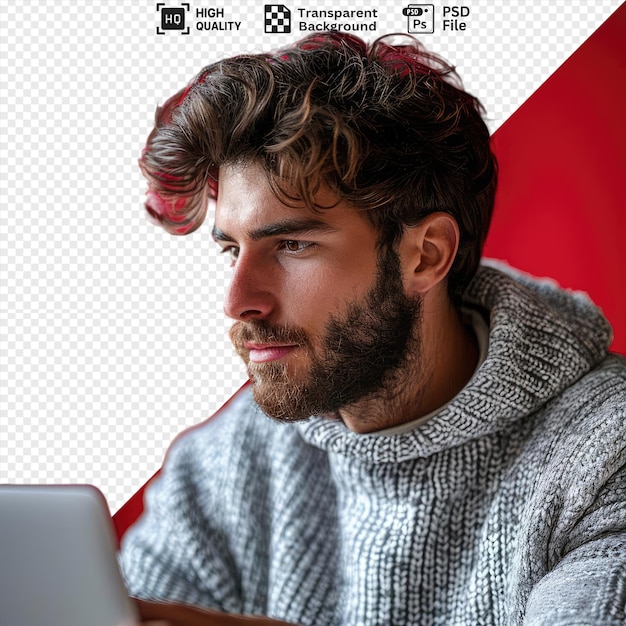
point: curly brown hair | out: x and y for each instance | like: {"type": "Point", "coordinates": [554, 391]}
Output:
{"type": "Point", "coordinates": [387, 128]}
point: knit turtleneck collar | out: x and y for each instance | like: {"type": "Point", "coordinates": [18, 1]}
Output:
{"type": "Point", "coordinates": [541, 340]}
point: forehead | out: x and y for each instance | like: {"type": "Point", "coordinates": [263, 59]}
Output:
{"type": "Point", "coordinates": [246, 203]}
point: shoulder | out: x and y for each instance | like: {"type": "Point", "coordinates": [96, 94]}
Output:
{"type": "Point", "coordinates": [578, 444]}
{"type": "Point", "coordinates": [590, 412]}
{"type": "Point", "coordinates": [570, 476]}
{"type": "Point", "coordinates": [598, 397]}
{"type": "Point", "coordinates": [575, 444]}
{"type": "Point", "coordinates": [594, 408]}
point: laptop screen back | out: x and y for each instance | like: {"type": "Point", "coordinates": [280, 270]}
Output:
{"type": "Point", "coordinates": [58, 565]}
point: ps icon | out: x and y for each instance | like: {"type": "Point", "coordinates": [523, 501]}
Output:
{"type": "Point", "coordinates": [420, 18]}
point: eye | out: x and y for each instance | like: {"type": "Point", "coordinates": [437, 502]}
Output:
{"type": "Point", "coordinates": [232, 252]}
{"type": "Point", "coordinates": [293, 245]}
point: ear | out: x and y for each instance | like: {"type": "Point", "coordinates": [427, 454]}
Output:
{"type": "Point", "coordinates": [427, 252]}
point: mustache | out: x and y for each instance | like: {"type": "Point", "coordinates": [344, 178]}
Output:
{"type": "Point", "coordinates": [260, 331]}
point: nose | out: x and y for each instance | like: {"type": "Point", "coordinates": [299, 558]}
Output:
{"type": "Point", "coordinates": [250, 294]}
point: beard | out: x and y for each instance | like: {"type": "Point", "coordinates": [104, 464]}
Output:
{"type": "Point", "coordinates": [363, 354]}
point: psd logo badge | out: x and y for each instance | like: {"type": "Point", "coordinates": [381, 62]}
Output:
{"type": "Point", "coordinates": [277, 18]}
{"type": "Point", "coordinates": [421, 18]}
{"type": "Point", "coordinates": [172, 18]}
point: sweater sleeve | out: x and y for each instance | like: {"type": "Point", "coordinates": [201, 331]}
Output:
{"type": "Point", "coordinates": [195, 542]}
{"type": "Point", "coordinates": [175, 552]}
{"type": "Point", "coordinates": [587, 587]}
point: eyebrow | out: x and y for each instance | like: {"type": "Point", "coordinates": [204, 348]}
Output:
{"type": "Point", "coordinates": [281, 228]}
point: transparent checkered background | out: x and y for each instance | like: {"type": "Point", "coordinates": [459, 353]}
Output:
{"type": "Point", "coordinates": [112, 334]}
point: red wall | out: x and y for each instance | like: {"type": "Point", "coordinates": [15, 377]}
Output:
{"type": "Point", "coordinates": [561, 202]}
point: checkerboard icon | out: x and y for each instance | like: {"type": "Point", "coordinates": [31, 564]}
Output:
{"type": "Point", "coordinates": [277, 18]}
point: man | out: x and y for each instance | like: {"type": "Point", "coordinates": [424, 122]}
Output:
{"type": "Point", "coordinates": [448, 442]}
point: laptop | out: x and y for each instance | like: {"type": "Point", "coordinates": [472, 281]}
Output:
{"type": "Point", "coordinates": [58, 564]}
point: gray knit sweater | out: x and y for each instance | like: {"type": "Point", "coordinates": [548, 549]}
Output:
{"type": "Point", "coordinates": [507, 507]}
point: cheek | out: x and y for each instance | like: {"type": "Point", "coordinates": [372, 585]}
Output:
{"type": "Point", "coordinates": [314, 300]}
{"type": "Point", "coordinates": [313, 289]}
{"type": "Point", "coordinates": [308, 290]}
{"type": "Point", "coordinates": [310, 295]}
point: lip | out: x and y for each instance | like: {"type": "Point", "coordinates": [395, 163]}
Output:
{"type": "Point", "coordinates": [264, 353]}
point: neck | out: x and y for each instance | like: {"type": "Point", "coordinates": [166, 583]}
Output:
{"type": "Point", "coordinates": [442, 359]}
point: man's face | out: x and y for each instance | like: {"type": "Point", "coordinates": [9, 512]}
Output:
{"type": "Point", "coordinates": [321, 317]}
